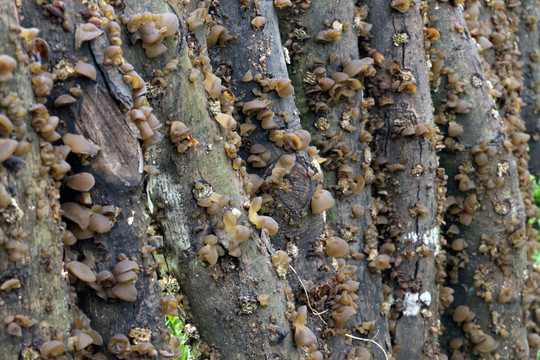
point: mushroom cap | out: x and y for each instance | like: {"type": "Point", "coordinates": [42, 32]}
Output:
{"type": "Point", "coordinates": [124, 266]}
{"type": "Point", "coordinates": [488, 344]}
{"type": "Point", "coordinates": [79, 144]}
{"type": "Point", "coordinates": [336, 247]}
{"type": "Point", "coordinates": [14, 329]}
{"type": "Point", "coordinates": [303, 336]}
{"type": "Point", "coordinates": [342, 314]}
{"type": "Point", "coordinates": [169, 21]}
{"type": "Point", "coordinates": [353, 67]}
{"type": "Point", "coordinates": [81, 271]}
{"type": "Point", "coordinates": [118, 344]}
{"type": "Point", "coordinates": [226, 120]}
{"type": "Point", "coordinates": [7, 64]}
{"type": "Point", "coordinates": [83, 181]}
{"type": "Point", "coordinates": [7, 148]}
{"type": "Point", "coordinates": [64, 99]}
{"type": "Point", "coordinates": [6, 126]}
{"type": "Point", "coordinates": [86, 32]}
{"type": "Point", "coordinates": [86, 69]}
{"type": "Point", "coordinates": [461, 313]}
{"type": "Point", "coordinates": [126, 276]}
{"type": "Point", "coordinates": [51, 348]}
{"type": "Point", "coordinates": [82, 340]}
{"type": "Point", "coordinates": [77, 213]}
{"type": "Point", "coordinates": [104, 275]}
{"type": "Point", "coordinates": [321, 201]}
{"type": "Point", "coordinates": [96, 337]}
{"type": "Point", "coordinates": [125, 291]}
{"type": "Point", "coordinates": [99, 223]}
{"type": "Point", "coordinates": [210, 239]}
{"type": "Point", "coordinates": [209, 254]}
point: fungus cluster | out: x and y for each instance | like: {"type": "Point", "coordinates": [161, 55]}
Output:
{"type": "Point", "coordinates": [303, 336]}
{"type": "Point", "coordinates": [151, 29]}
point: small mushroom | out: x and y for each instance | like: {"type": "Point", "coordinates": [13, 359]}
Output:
{"type": "Point", "coordinates": [7, 64]}
{"type": "Point", "coordinates": [342, 314]}
{"type": "Point", "coordinates": [76, 213]}
{"type": "Point", "coordinates": [336, 247]}
{"type": "Point", "coordinates": [83, 181]}
{"type": "Point", "coordinates": [118, 344]}
{"type": "Point", "coordinates": [79, 144]}
{"type": "Point", "coordinates": [7, 148]}
{"type": "Point", "coordinates": [86, 69]}
{"type": "Point", "coordinates": [81, 271]}
{"type": "Point", "coordinates": [64, 99]}
{"type": "Point", "coordinates": [321, 201]}
{"type": "Point", "coordinates": [125, 291]}
{"type": "Point", "coordinates": [10, 284]}
{"type": "Point", "coordinates": [86, 32]}
{"type": "Point", "coordinates": [99, 223]}
{"type": "Point", "coordinates": [51, 348]}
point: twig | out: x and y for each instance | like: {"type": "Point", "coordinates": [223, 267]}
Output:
{"type": "Point", "coordinates": [371, 341]}
{"type": "Point", "coordinates": [315, 312]}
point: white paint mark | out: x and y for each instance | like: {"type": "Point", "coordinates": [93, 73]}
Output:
{"type": "Point", "coordinates": [431, 239]}
{"type": "Point", "coordinates": [412, 306]}
{"type": "Point", "coordinates": [425, 298]}
{"type": "Point", "coordinates": [410, 237]}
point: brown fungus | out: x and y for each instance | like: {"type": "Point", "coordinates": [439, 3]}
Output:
{"type": "Point", "coordinates": [81, 271]}
{"type": "Point", "coordinates": [77, 213]}
{"type": "Point", "coordinates": [209, 252]}
{"type": "Point", "coordinates": [79, 144]}
{"type": "Point", "coordinates": [86, 69]}
{"type": "Point", "coordinates": [336, 247]}
{"type": "Point", "coordinates": [86, 32]}
{"type": "Point", "coordinates": [7, 148]}
{"type": "Point", "coordinates": [326, 36]}
{"type": "Point", "coordinates": [14, 329]}
{"type": "Point", "coordinates": [303, 336]}
{"type": "Point", "coordinates": [125, 291]}
{"type": "Point", "coordinates": [258, 21]}
{"type": "Point", "coordinates": [51, 348]}
{"type": "Point", "coordinates": [342, 314]}
{"type": "Point", "coordinates": [10, 284]}
{"type": "Point", "coordinates": [259, 221]}
{"type": "Point", "coordinates": [321, 201]}
{"type": "Point", "coordinates": [282, 3]}
{"type": "Point", "coordinates": [401, 5]}
{"type": "Point", "coordinates": [118, 344]}
{"type": "Point", "coordinates": [7, 64]}
{"type": "Point", "coordinates": [226, 121]}
{"type": "Point", "coordinates": [100, 223]}
{"type": "Point", "coordinates": [486, 345]}
{"type": "Point", "coordinates": [218, 36]}
{"type": "Point", "coordinates": [64, 100]}
{"type": "Point", "coordinates": [81, 182]}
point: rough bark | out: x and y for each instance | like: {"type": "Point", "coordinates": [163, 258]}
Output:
{"type": "Point", "coordinates": [299, 30]}
{"type": "Point", "coordinates": [493, 260]}
{"type": "Point", "coordinates": [396, 213]}
{"type": "Point", "coordinates": [43, 295]}
{"type": "Point", "coordinates": [529, 39]}
{"type": "Point", "coordinates": [407, 195]}
{"type": "Point", "coordinates": [222, 298]}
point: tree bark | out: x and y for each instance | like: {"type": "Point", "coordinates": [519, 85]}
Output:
{"type": "Point", "coordinates": [408, 194]}
{"type": "Point", "coordinates": [482, 183]}
{"type": "Point", "coordinates": [365, 272]}
{"type": "Point", "coordinates": [34, 300]}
